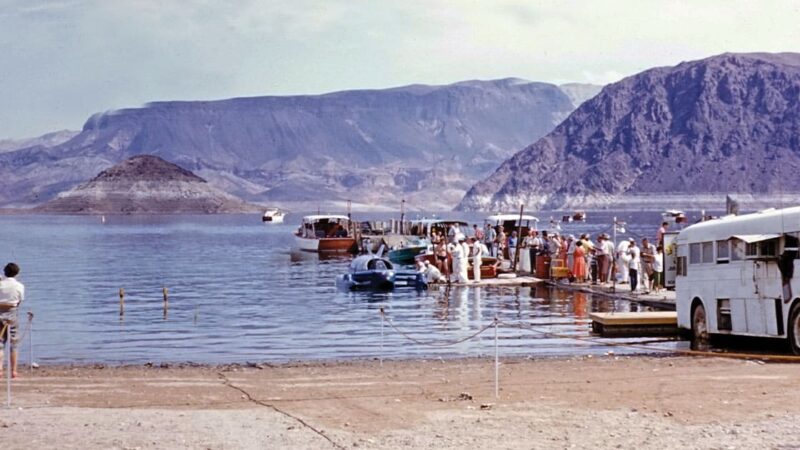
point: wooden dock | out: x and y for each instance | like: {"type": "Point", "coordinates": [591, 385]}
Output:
{"type": "Point", "coordinates": [518, 281]}
{"type": "Point", "coordinates": [662, 300]}
{"type": "Point", "coordinates": [655, 323]}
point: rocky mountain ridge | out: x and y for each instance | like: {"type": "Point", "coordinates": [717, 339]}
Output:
{"type": "Point", "coordinates": [426, 144]}
{"type": "Point", "coordinates": [146, 184]}
{"type": "Point", "coordinates": [725, 124]}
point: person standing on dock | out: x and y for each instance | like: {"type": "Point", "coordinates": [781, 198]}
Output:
{"type": "Point", "coordinates": [648, 258]}
{"type": "Point", "coordinates": [660, 233]}
{"type": "Point", "coordinates": [535, 247]}
{"type": "Point", "coordinates": [12, 294]}
{"type": "Point", "coordinates": [633, 264]}
{"type": "Point", "coordinates": [477, 259]}
{"type": "Point", "coordinates": [459, 259]}
{"type": "Point", "coordinates": [440, 252]}
{"type": "Point", "coordinates": [489, 237]}
{"type": "Point", "coordinates": [609, 246]}
{"type": "Point", "coordinates": [579, 262]}
{"type": "Point", "coordinates": [512, 246]}
{"type": "Point", "coordinates": [658, 270]}
{"type": "Point", "coordinates": [477, 232]}
{"type": "Point", "coordinates": [464, 274]}
{"type": "Point", "coordinates": [623, 259]}
{"type": "Point", "coordinates": [501, 243]}
{"type": "Point", "coordinates": [602, 259]}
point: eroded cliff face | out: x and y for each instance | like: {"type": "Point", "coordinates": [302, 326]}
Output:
{"type": "Point", "coordinates": [146, 185]}
{"type": "Point", "coordinates": [725, 124]}
{"type": "Point", "coordinates": [426, 144]}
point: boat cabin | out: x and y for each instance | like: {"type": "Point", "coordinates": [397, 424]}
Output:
{"type": "Point", "coordinates": [370, 262]}
{"type": "Point", "coordinates": [430, 227]}
{"type": "Point", "coordinates": [324, 226]}
{"type": "Point", "coordinates": [511, 222]}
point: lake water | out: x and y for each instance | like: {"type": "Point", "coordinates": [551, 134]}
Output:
{"type": "Point", "coordinates": [238, 292]}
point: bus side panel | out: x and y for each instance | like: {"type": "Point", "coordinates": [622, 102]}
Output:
{"type": "Point", "coordinates": [755, 316]}
{"type": "Point", "coordinates": [738, 315]}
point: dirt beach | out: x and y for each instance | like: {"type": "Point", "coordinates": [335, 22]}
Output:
{"type": "Point", "coordinates": [605, 402]}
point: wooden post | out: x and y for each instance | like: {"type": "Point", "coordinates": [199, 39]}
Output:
{"type": "Point", "coordinates": [519, 239]}
{"type": "Point", "coordinates": [121, 302]}
{"type": "Point", "coordinates": [166, 300]}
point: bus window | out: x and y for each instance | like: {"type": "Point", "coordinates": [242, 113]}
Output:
{"type": "Point", "coordinates": [737, 250]}
{"type": "Point", "coordinates": [723, 252]}
{"type": "Point", "coordinates": [708, 252]}
{"type": "Point", "coordinates": [694, 253]}
{"type": "Point", "coordinates": [751, 251]}
{"type": "Point", "coordinates": [768, 249]}
{"type": "Point", "coordinates": [681, 266]}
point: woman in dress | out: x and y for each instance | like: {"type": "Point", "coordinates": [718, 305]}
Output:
{"type": "Point", "coordinates": [579, 263]}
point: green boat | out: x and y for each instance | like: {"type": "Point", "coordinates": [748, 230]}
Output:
{"type": "Point", "coordinates": [409, 252]}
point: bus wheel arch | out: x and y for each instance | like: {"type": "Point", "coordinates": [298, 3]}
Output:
{"type": "Point", "coordinates": [793, 327]}
{"type": "Point", "coordinates": [700, 336]}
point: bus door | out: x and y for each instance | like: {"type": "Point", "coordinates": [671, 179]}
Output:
{"type": "Point", "coordinates": [762, 316]}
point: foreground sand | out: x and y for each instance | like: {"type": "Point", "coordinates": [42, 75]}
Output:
{"type": "Point", "coordinates": [608, 402]}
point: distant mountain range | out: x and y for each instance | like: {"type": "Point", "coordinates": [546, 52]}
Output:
{"type": "Point", "coordinates": [679, 136]}
{"type": "Point", "coordinates": [146, 184]}
{"type": "Point", "coordinates": [426, 144]}
{"type": "Point", "coordinates": [45, 140]}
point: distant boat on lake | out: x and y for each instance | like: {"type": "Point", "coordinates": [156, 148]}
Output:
{"type": "Point", "coordinates": [273, 215]}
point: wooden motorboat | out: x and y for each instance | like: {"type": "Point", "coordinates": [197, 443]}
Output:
{"type": "Point", "coordinates": [326, 234]}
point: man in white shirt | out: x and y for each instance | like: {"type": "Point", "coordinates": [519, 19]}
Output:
{"type": "Point", "coordinates": [432, 274]}
{"type": "Point", "coordinates": [609, 250]}
{"type": "Point", "coordinates": [477, 259]}
{"type": "Point", "coordinates": [634, 264]}
{"type": "Point", "coordinates": [464, 277]}
{"type": "Point", "coordinates": [12, 293]}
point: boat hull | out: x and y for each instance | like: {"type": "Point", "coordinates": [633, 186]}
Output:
{"type": "Point", "coordinates": [326, 245]}
{"type": "Point", "coordinates": [272, 219]}
{"type": "Point", "coordinates": [372, 280]}
{"type": "Point", "coordinates": [406, 255]}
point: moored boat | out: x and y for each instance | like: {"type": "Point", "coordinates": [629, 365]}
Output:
{"type": "Point", "coordinates": [326, 234]}
{"type": "Point", "coordinates": [408, 250]}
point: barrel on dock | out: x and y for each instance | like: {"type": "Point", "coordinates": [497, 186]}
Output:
{"type": "Point", "coordinates": [635, 324]}
{"type": "Point", "coordinates": [543, 267]}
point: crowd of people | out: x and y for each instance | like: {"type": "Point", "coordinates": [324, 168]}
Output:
{"type": "Point", "coordinates": [583, 259]}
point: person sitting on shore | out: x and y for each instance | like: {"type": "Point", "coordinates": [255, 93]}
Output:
{"type": "Point", "coordinates": [12, 294]}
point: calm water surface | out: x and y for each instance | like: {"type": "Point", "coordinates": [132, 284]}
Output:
{"type": "Point", "coordinates": [239, 292]}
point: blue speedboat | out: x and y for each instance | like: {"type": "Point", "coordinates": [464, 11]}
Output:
{"type": "Point", "coordinates": [373, 272]}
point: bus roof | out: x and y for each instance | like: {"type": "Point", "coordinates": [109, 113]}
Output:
{"type": "Point", "coordinates": [763, 223]}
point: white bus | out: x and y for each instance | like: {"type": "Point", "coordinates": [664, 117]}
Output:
{"type": "Point", "coordinates": [735, 276]}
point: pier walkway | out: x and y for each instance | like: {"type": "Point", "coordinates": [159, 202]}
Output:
{"type": "Point", "coordinates": [662, 300]}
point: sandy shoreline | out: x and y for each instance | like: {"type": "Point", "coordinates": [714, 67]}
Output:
{"type": "Point", "coordinates": [606, 402]}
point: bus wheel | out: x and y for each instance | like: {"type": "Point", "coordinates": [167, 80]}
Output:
{"type": "Point", "coordinates": [794, 329]}
{"type": "Point", "coordinates": [699, 328]}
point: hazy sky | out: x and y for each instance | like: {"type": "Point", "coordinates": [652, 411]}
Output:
{"type": "Point", "coordinates": [62, 60]}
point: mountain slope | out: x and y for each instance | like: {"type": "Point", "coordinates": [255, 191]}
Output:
{"type": "Point", "coordinates": [725, 124]}
{"type": "Point", "coordinates": [423, 143]}
{"type": "Point", "coordinates": [145, 184]}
